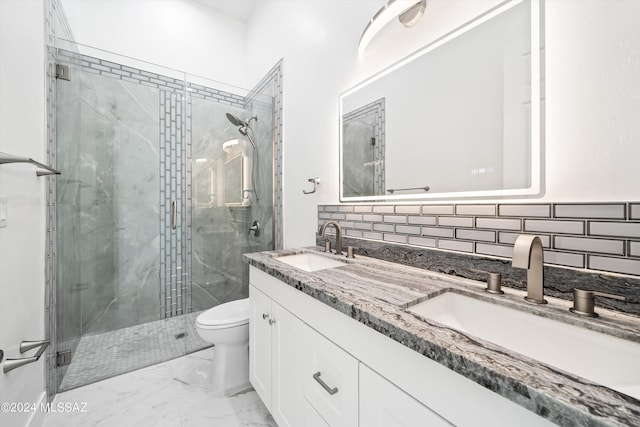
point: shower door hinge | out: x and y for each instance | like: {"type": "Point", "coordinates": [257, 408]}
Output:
{"type": "Point", "coordinates": [62, 72]}
{"type": "Point", "coordinates": [63, 358]}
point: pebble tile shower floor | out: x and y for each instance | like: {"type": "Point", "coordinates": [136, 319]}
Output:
{"type": "Point", "coordinates": [102, 356]}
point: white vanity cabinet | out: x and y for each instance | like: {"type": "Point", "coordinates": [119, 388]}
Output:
{"type": "Point", "coordinates": [276, 355]}
{"type": "Point", "coordinates": [379, 381]}
{"type": "Point", "coordinates": [330, 378]}
{"type": "Point", "coordinates": [382, 404]}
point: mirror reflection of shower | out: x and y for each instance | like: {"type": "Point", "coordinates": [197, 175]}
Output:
{"type": "Point", "coordinates": [244, 127]}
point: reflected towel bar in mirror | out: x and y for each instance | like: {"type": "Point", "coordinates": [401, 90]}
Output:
{"type": "Point", "coordinates": [393, 190]}
{"type": "Point", "coordinates": [9, 158]}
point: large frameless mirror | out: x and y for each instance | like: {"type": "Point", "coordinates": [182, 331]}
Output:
{"type": "Point", "coordinates": [459, 118]}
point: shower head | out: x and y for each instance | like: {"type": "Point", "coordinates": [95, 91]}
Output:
{"type": "Point", "coordinates": [236, 121]}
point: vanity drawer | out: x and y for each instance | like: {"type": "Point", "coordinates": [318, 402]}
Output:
{"type": "Point", "coordinates": [330, 381]}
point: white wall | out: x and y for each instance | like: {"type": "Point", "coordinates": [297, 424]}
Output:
{"type": "Point", "coordinates": [178, 34]}
{"type": "Point", "coordinates": [593, 94]}
{"type": "Point", "coordinates": [318, 41]}
{"type": "Point", "coordinates": [22, 132]}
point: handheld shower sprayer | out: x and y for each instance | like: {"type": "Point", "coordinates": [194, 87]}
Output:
{"type": "Point", "coordinates": [243, 126]}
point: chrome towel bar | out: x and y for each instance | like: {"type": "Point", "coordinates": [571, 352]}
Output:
{"type": "Point", "coordinates": [11, 364]}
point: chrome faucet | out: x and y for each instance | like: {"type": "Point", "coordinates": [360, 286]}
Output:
{"type": "Point", "coordinates": [338, 234]}
{"type": "Point", "coordinates": [527, 253]}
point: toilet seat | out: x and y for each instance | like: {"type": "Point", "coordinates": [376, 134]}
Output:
{"type": "Point", "coordinates": [227, 315]}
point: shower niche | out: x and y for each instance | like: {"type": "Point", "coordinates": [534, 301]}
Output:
{"type": "Point", "coordinates": [153, 208]}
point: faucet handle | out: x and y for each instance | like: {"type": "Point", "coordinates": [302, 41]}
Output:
{"type": "Point", "coordinates": [584, 301]}
{"type": "Point", "coordinates": [494, 281]}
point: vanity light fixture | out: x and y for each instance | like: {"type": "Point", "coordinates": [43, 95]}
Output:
{"type": "Point", "coordinates": [408, 12]}
{"type": "Point", "coordinates": [226, 146]}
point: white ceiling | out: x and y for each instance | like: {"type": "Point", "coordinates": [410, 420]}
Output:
{"type": "Point", "coordinates": [236, 9]}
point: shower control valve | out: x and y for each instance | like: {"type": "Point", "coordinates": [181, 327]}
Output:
{"type": "Point", "coordinates": [255, 229]}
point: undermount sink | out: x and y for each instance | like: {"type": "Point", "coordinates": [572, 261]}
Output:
{"type": "Point", "coordinates": [601, 358]}
{"type": "Point", "coordinates": [310, 262]}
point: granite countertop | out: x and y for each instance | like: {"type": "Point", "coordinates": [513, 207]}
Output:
{"type": "Point", "coordinates": [377, 293]}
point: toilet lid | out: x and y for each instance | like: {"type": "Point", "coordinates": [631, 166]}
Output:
{"type": "Point", "coordinates": [229, 314]}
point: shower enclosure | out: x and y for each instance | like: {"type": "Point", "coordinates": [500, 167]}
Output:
{"type": "Point", "coordinates": [159, 197]}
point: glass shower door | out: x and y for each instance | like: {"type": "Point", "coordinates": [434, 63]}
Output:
{"type": "Point", "coordinates": [117, 199]}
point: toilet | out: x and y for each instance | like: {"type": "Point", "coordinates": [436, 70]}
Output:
{"type": "Point", "coordinates": [227, 326]}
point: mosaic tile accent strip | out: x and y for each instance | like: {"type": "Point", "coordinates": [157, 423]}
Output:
{"type": "Point", "coordinates": [174, 252]}
{"type": "Point", "coordinates": [148, 78]}
{"type": "Point", "coordinates": [593, 236]}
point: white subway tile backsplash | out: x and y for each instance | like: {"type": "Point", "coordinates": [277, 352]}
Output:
{"type": "Point", "coordinates": [499, 223]}
{"type": "Point", "coordinates": [407, 229]}
{"type": "Point", "coordinates": [396, 238]}
{"type": "Point", "coordinates": [362, 209]}
{"type": "Point", "coordinates": [485, 236]}
{"type": "Point", "coordinates": [618, 265]}
{"type": "Point", "coordinates": [485, 210]}
{"type": "Point", "coordinates": [353, 233]}
{"type": "Point", "coordinates": [617, 229]}
{"type": "Point", "coordinates": [495, 250]}
{"type": "Point", "coordinates": [362, 226]}
{"type": "Point", "coordinates": [564, 258]}
{"type": "Point", "coordinates": [599, 236]}
{"type": "Point", "coordinates": [437, 210]}
{"type": "Point", "coordinates": [408, 210]}
{"type": "Point", "coordinates": [383, 209]}
{"type": "Point", "coordinates": [550, 226]}
{"type": "Point", "coordinates": [510, 238]}
{"type": "Point", "coordinates": [437, 232]}
{"type": "Point", "coordinates": [614, 247]}
{"type": "Point", "coordinates": [455, 221]}
{"type": "Point", "coordinates": [395, 219]}
{"type": "Point", "coordinates": [525, 210]}
{"type": "Point", "coordinates": [384, 227]}
{"type": "Point", "coordinates": [608, 211]}
{"type": "Point", "coordinates": [455, 245]}
{"type": "Point", "coordinates": [422, 241]}
{"type": "Point", "coordinates": [372, 235]}
{"type": "Point", "coordinates": [422, 220]}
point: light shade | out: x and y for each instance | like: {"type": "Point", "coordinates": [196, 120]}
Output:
{"type": "Point", "coordinates": [386, 14]}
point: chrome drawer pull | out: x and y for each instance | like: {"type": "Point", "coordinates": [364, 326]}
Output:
{"type": "Point", "coordinates": [324, 385]}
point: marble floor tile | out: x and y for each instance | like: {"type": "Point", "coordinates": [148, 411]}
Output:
{"type": "Point", "coordinates": [174, 393]}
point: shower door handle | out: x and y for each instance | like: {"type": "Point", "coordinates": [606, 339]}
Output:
{"type": "Point", "coordinates": [174, 215]}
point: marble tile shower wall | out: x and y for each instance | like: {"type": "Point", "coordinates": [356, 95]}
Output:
{"type": "Point", "coordinates": [373, 115]}
{"type": "Point", "coordinates": [594, 239]}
